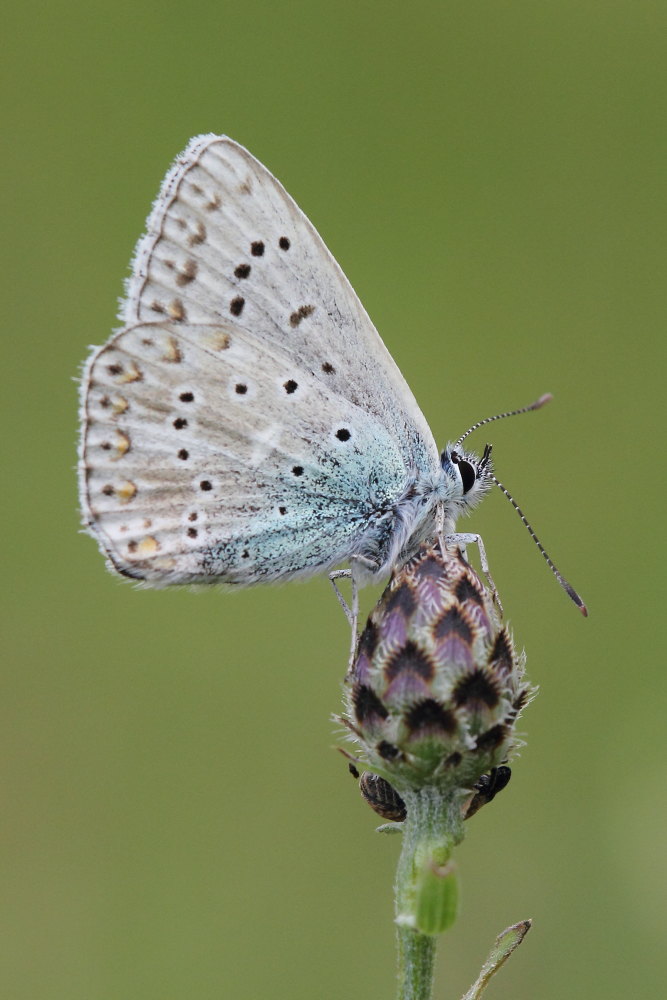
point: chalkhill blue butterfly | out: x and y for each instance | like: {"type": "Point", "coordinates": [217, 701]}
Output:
{"type": "Point", "coordinates": [247, 423]}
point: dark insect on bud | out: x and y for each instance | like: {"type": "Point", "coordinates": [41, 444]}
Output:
{"type": "Point", "coordinates": [487, 788]}
{"type": "Point", "coordinates": [381, 797]}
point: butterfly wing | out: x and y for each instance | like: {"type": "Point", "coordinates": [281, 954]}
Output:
{"type": "Point", "coordinates": [248, 423]}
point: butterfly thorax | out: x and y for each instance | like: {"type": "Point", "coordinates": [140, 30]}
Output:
{"type": "Point", "coordinates": [430, 501]}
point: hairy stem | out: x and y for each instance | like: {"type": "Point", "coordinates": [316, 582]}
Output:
{"type": "Point", "coordinates": [416, 955]}
{"type": "Point", "coordinates": [426, 890]}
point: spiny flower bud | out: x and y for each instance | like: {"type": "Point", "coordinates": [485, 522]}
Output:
{"type": "Point", "coordinates": [436, 687]}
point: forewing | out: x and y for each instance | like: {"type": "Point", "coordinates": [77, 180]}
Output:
{"type": "Point", "coordinates": [226, 242]}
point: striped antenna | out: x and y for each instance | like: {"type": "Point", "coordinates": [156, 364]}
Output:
{"type": "Point", "coordinates": [568, 588]}
{"type": "Point", "coordinates": [546, 398]}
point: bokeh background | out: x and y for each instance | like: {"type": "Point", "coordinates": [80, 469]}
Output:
{"type": "Point", "coordinates": [175, 821]}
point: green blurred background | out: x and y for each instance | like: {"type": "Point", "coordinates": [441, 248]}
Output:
{"type": "Point", "coordinates": [175, 822]}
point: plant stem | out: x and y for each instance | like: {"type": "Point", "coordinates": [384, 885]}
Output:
{"type": "Point", "coordinates": [426, 890]}
{"type": "Point", "coordinates": [416, 955]}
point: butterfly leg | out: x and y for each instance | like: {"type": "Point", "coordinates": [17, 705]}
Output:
{"type": "Point", "coordinates": [342, 574]}
{"type": "Point", "coordinates": [468, 538]}
{"type": "Point", "coordinates": [351, 610]}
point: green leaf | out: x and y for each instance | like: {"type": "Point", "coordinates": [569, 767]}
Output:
{"type": "Point", "coordinates": [437, 898]}
{"type": "Point", "coordinates": [506, 942]}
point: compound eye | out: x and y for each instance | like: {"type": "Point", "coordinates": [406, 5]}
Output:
{"type": "Point", "coordinates": [467, 475]}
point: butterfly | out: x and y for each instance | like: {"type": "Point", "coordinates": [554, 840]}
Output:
{"type": "Point", "coordinates": [247, 424]}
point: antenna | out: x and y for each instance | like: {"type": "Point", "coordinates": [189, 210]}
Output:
{"type": "Point", "coordinates": [483, 464]}
{"type": "Point", "coordinates": [568, 588]}
{"type": "Point", "coordinates": [546, 398]}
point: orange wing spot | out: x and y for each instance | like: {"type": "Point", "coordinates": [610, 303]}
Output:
{"type": "Point", "coordinates": [148, 546]}
{"type": "Point", "coordinates": [131, 374]}
{"type": "Point", "coordinates": [176, 310]}
{"type": "Point", "coordinates": [220, 341]}
{"type": "Point", "coordinates": [119, 405]}
{"type": "Point", "coordinates": [126, 491]}
{"type": "Point", "coordinates": [187, 273]}
{"type": "Point", "coordinates": [173, 352]}
{"type": "Point", "coordinates": [122, 444]}
{"type": "Point", "coordinates": [198, 236]}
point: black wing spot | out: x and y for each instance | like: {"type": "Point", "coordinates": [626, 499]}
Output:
{"type": "Point", "coordinates": [184, 454]}
{"type": "Point", "coordinates": [242, 271]}
{"type": "Point", "coordinates": [192, 532]}
{"type": "Point", "coordinates": [236, 305]}
{"type": "Point", "coordinates": [297, 470]}
{"type": "Point", "coordinates": [290, 386]}
{"type": "Point", "coordinates": [343, 434]}
{"type": "Point", "coordinates": [301, 313]}
{"type": "Point", "coordinates": [328, 368]}
{"type": "Point", "coordinates": [257, 248]}
{"type": "Point", "coordinates": [186, 397]}
{"type": "Point", "coordinates": [240, 388]}
{"type": "Point", "coordinates": [205, 485]}
{"type": "Point", "coordinates": [284, 243]}
{"type": "Point", "coordinates": [179, 423]}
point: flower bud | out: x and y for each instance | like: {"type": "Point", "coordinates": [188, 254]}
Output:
{"type": "Point", "coordinates": [436, 687]}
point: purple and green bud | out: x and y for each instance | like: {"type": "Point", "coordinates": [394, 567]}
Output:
{"type": "Point", "coordinates": [435, 688]}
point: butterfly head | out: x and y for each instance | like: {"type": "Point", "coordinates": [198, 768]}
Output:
{"type": "Point", "coordinates": [468, 477]}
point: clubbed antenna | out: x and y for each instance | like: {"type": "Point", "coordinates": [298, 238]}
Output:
{"type": "Point", "coordinates": [546, 398]}
{"type": "Point", "coordinates": [568, 588]}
